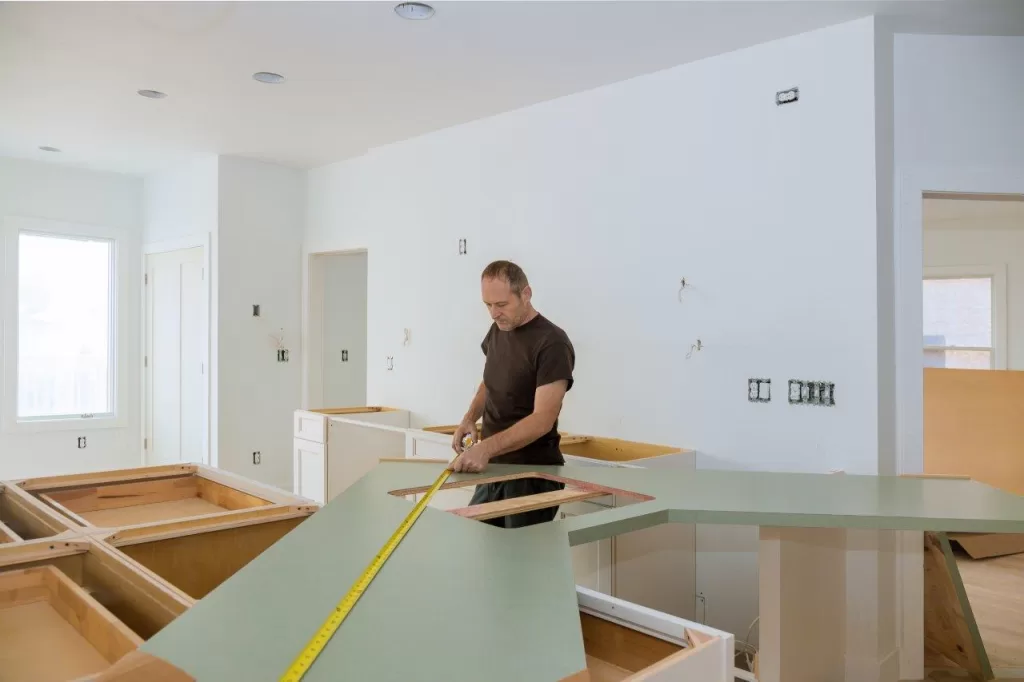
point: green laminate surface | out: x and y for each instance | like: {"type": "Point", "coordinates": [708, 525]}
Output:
{"type": "Point", "coordinates": [463, 601]}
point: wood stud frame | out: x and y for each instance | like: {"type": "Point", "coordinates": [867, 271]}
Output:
{"type": "Point", "coordinates": [96, 563]}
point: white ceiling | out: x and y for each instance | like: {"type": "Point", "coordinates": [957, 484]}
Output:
{"type": "Point", "coordinates": [358, 75]}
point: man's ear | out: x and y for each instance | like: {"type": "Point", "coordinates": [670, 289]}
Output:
{"type": "Point", "coordinates": [527, 293]}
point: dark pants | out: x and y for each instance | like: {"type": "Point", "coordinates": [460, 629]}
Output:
{"type": "Point", "coordinates": [517, 487]}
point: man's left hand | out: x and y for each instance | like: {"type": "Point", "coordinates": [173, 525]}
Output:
{"type": "Point", "coordinates": [472, 461]}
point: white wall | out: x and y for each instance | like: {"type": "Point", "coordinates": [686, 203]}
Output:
{"type": "Point", "coordinates": [607, 199]}
{"type": "Point", "coordinates": [260, 218]}
{"type": "Point", "coordinates": [959, 101]}
{"type": "Point", "coordinates": [181, 202]}
{"type": "Point", "coordinates": [54, 192]}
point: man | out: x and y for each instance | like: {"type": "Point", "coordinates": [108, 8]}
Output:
{"type": "Point", "coordinates": [527, 371]}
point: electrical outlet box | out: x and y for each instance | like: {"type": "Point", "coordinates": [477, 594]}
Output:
{"type": "Point", "coordinates": [811, 393]}
{"type": "Point", "coordinates": [759, 390]}
{"type": "Point", "coordinates": [256, 457]}
{"type": "Point", "coordinates": [81, 442]}
{"type": "Point", "coordinates": [787, 96]}
{"type": "Point", "coordinates": [255, 310]}
{"type": "Point", "coordinates": [282, 355]}
{"type": "Point", "coordinates": [344, 356]}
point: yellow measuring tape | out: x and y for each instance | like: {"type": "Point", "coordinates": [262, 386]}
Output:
{"type": "Point", "coordinates": [305, 659]}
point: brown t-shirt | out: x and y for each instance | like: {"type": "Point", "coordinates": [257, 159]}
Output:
{"type": "Point", "coordinates": [518, 362]}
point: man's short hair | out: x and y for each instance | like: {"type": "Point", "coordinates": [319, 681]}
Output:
{"type": "Point", "coordinates": [508, 271]}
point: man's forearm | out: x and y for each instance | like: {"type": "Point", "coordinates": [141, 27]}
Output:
{"type": "Point", "coordinates": [520, 434]}
{"type": "Point", "coordinates": [476, 407]}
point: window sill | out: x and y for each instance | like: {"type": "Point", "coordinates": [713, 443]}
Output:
{"type": "Point", "coordinates": [49, 425]}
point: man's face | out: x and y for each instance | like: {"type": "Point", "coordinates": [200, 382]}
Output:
{"type": "Point", "coordinates": [506, 308]}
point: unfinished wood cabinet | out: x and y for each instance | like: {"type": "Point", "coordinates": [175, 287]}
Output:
{"type": "Point", "coordinates": [68, 610]}
{"type": "Point", "coordinates": [23, 518]}
{"type": "Point", "coordinates": [197, 556]}
{"type": "Point", "coordinates": [628, 643]}
{"type": "Point", "coordinates": [330, 452]}
{"type": "Point", "coordinates": [130, 497]}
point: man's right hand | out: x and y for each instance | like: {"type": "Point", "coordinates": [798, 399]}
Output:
{"type": "Point", "coordinates": [466, 427]}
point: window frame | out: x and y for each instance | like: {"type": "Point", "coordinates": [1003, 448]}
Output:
{"type": "Point", "coordinates": [13, 227]}
{"type": "Point", "coordinates": [997, 272]}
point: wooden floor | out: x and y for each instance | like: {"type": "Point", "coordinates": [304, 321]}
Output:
{"type": "Point", "coordinates": [995, 588]}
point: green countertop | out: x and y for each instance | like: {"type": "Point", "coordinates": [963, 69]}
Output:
{"type": "Point", "coordinates": [461, 600]}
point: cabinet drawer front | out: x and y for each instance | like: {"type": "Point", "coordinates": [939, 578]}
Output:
{"type": "Point", "coordinates": [310, 426]}
{"type": "Point", "coordinates": [309, 467]}
{"type": "Point", "coordinates": [432, 449]}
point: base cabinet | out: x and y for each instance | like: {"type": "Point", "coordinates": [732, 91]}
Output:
{"type": "Point", "coordinates": [330, 451]}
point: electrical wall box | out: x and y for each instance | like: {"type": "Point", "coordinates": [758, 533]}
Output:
{"type": "Point", "coordinates": [759, 390]}
{"type": "Point", "coordinates": [811, 393]}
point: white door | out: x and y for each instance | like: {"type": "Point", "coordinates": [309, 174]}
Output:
{"type": "Point", "coordinates": [175, 365]}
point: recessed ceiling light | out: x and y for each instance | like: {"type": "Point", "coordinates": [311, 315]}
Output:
{"type": "Point", "coordinates": [152, 94]}
{"type": "Point", "coordinates": [49, 149]}
{"type": "Point", "coordinates": [414, 10]}
{"type": "Point", "coordinates": [268, 77]}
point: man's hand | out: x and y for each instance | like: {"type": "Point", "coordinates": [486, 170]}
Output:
{"type": "Point", "coordinates": [461, 431]}
{"type": "Point", "coordinates": [473, 460]}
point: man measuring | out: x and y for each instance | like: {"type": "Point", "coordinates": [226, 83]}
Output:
{"type": "Point", "coordinates": [527, 372]}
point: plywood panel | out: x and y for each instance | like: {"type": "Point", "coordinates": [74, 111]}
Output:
{"type": "Point", "coordinates": [196, 564]}
{"type": "Point", "coordinates": [950, 630]}
{"type": "Point", "coordinates": [974, 425]}
{"type": "Point", "coordinates": [148, 513]}
{"type": "Point", "coordinates": [995, 588]}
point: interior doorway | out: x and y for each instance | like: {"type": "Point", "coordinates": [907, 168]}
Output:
{"type": "Point", "coordinates": [337, 329]}
{"type": "Point", "coordinates": [175, 366]}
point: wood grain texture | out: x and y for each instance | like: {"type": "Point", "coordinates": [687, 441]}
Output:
{"type": "Point", "coordinates": [152, 513]}
{"type": "Point", "coordinates": [130, 494]}
{"type": "Point", "coordinates": [225, 496]}
{"type": "Point", "coordinates": [621, 646]}
{"type": "Point", "coordinates": [950, 630]}
{"type": "Point", "coordinates": [517, 505]}
{"type": "Point", "coordinates": [995, 588]}
{"type": "Point", "coordinates": [142, 667]}
{"type": "Point", "coordinates": [196, 564]}
{"type": "Point", "coordinates": [974, 425]}
{"type": "Point", "coordinates": [27, 517]}
{"type": "Point", "coordinates": [45, 616]}
{"type": "Point", "coordinates": [93, 478]}
{"type": "Point", "coordinates": [7, 535]}
{"type": "Point", "coordinates": [987, 545]}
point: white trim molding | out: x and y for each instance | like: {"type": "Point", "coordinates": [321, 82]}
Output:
{"type": "Point", "coordinates": [911, 185]}
{"type": "Point", "coordinates": [203, 240]}
{"type": "Point", "coordinates": [13, 226]}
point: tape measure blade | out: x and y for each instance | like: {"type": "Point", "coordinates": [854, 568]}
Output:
{"type": "Point", "coordinates": [315, 646]}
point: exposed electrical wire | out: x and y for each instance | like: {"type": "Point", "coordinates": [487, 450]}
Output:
{"type": "Point", "coordinates": [682, 285]}
{"type": "Point", "coordinates": [697, 346]}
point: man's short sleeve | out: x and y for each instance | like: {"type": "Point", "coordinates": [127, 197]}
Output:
{"type": "Point", "coordinates": [487, 339]}
{"type": "Point", "coordinates": [555, 362]}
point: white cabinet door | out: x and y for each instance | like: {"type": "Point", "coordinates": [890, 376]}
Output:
{"type": "Point", "coordinates": [591, 562]}
{"type": "Point", "coordinates": [309, 469]}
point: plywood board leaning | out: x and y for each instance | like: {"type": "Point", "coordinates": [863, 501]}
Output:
{"type": "Point", "coordinates": [974, 425]}
{"type": "Point", "coordinates": [951, 634]}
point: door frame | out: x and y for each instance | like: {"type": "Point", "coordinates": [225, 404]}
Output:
{"type": "Point", "coordinates": [202, 240]}
{"type": "Point", "coordinates": [312, 296]}
{"type": "Point", "coordinates": [912, 183]}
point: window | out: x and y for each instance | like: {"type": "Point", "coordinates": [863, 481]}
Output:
{"type": "Point", "coordinates": [61, 341]}
{"type": "Point", "coordinates": [64, 326]}
{"type": "Point", "coordinates": [963, 312]}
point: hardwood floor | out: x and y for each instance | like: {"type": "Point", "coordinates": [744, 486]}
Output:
{"type": "Point", "coordinates": [995, 588]}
